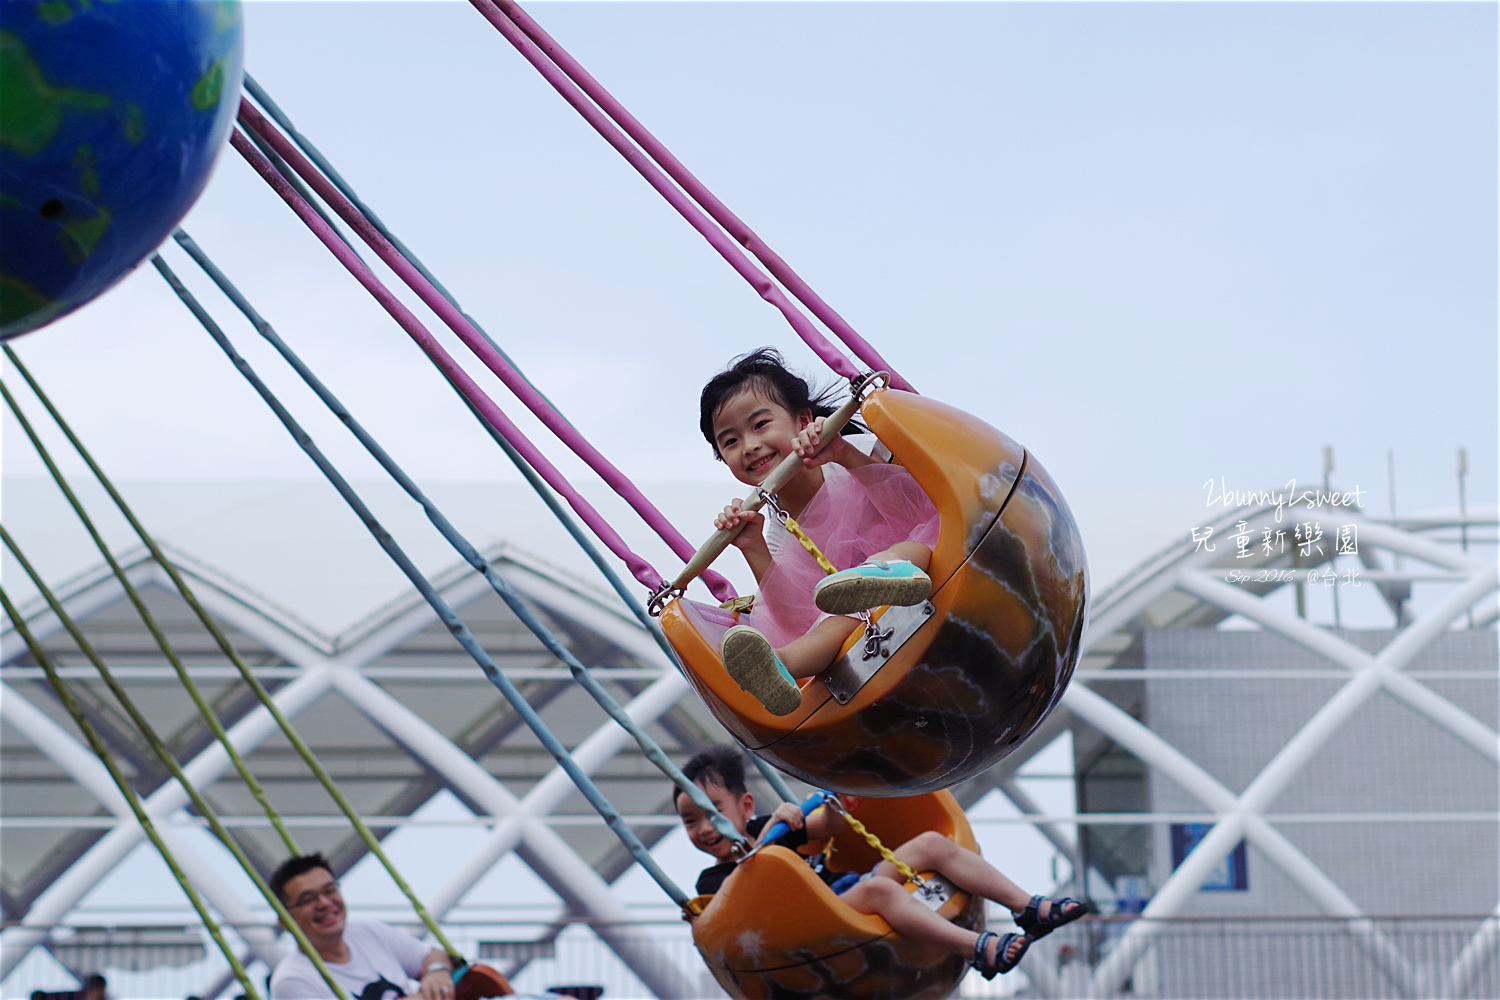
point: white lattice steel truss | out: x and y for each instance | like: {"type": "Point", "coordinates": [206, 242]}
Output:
{"type": "Point", "coordinates": [520, 827]}
{"type": "Point", "coordinates": [519, 822]}
{"type": "Point", "coordinates": [1186, 570]}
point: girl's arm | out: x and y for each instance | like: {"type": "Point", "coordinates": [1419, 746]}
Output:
{"type": "Point", "coordinates": [751, 541]}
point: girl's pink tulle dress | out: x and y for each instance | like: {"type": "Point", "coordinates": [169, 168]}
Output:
{"type": "Point", "coordinates": [855, 514]}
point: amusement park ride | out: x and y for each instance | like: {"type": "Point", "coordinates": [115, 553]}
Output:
{"type": "Point", "coordinates": [115, 115]}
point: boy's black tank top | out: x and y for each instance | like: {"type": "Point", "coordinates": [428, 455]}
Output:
{"type": "Point", "coordinates": [712, 878]}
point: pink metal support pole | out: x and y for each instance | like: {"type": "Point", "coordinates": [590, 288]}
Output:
{"type": "Point", "coordinates": [720, 212]}
{"type": "Point", "coordinates": [641, 569]}
{"type": "Point", "coordinates": [764, 286]}
{"type": "Point", "coordinates": [534, 401]}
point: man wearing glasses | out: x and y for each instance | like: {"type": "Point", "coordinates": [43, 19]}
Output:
{"type": "Point", "coordinates": [370, 960]}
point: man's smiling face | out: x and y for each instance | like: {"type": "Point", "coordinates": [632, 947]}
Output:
{"type": "Point", "coordinates": [314, 901]}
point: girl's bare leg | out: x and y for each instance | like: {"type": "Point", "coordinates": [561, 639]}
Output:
{"type": "Point", "coordinates": [912, 919]}
{"type": "Point", "coordinates": [814, 652]}
{"type": "Point", "coordinates": [915, 553]}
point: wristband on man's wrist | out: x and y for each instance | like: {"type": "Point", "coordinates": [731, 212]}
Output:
{"type": "Point", "coordinates": [435, 965]}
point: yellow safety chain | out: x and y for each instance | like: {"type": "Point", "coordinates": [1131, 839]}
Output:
{"type": "Point", "coordinates": [827, 852]}
{"type": "Point", "coordinates": [796, 529]}
{"type": "Point", "coordinates": [809, 545]}
{"type": "Point", "coordinates": [885, 852]}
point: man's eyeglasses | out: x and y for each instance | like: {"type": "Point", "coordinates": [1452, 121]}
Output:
{"type": "Point", "coordinates": [329, 891]}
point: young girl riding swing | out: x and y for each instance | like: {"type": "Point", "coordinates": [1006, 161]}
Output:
{"type": "Point", "coordinates": [867, 516]}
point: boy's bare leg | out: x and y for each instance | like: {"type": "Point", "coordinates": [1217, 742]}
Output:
{"type": "Point", "coordinates": [911, 919]}
{"type": "Point", "coordinates": [933, 852]}
{"type": "Point", "coordinates": [814, 652]}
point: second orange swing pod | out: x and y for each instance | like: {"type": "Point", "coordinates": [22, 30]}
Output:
{"type": "Point", "coordinates": [775, 930]}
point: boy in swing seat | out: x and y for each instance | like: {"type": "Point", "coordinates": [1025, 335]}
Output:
{"type": "Point", "coordinates": [720, 772]}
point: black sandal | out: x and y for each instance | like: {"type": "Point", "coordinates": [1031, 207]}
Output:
{"type": "Point", "coordinates": [1002, 963]}
{"type": "Point", "coordinates": [1058, 914]}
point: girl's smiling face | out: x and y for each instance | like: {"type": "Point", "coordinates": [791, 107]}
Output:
{"type": "Point", "coordinates": [754, 432]}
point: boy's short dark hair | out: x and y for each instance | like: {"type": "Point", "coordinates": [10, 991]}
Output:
{"type": "Point", "coordinates": [292, 867]}
{"type": "Point", "coordinates": [721, 765]}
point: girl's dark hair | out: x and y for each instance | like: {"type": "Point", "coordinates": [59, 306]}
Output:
{"type": "Point", "coordinates": [765, 370]}
{"type": "Point", "coordinates": [721, 765]}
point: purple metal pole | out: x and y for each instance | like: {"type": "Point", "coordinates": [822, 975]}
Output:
{"type": "Point", "coordinates": [438, 303]}
{"type": "Point", "coordinates": [641, 569]}
{"type": "Point", "coordinates": [694, 187]}
{"type": "Point", "coordinates": [764, 286]}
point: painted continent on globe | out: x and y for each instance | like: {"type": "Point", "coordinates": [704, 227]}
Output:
{"type": "Point", "coordinates": [113, 116]}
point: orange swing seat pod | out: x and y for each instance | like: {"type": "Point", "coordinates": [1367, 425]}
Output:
{"type": "Point", "coordinates": [934, 694]}
{"type": "Point", "coordinates": [775, 931]}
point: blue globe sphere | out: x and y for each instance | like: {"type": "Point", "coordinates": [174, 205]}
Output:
{"type": "Point", "coordinates": [114, 112]}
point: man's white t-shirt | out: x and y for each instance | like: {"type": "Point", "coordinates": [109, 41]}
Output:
{"type": "Point", "coordinates": [383, 962]}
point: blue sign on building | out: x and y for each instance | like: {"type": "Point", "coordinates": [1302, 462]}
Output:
{"type": "Point", "coordinates": [1231, 874]}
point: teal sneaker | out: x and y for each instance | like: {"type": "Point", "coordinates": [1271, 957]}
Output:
{"type": "Point", "coordinates": [755, 667]}
{"type": "Point", "coordinates": [872, 585]}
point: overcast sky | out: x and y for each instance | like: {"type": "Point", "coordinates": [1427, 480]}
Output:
{"type": "Point", "coordinates": [1156, 243]}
